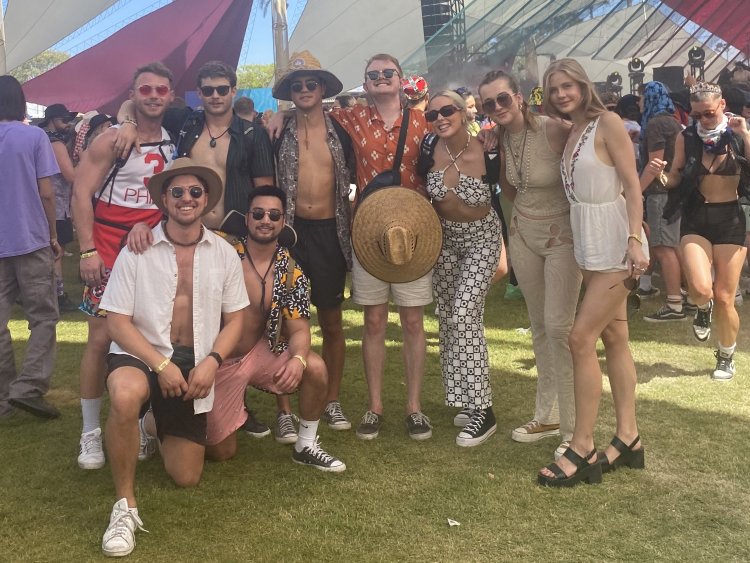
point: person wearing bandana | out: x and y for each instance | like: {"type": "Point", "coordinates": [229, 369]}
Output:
{"type": "Point", "coordinates": [710, 172]}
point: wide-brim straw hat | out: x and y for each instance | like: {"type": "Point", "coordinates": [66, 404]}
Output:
{"type": "Point", "coordinates": [187, 166]}
{"type": "Point", "coordinates": [303, 64]}
{"type": "Point", "coordinates": [396, 234]}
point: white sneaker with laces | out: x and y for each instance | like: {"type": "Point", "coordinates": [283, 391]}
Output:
{"type": "Point", "coordinates": [119, 539]}
{"type": "Point", "coordinates": [90, 453]}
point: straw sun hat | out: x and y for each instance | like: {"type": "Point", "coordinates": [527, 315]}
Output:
{"type": "Point", "coordinates": [305, 64]}
{"type": "Point", "coordinates": [396, 235]}
{"type": "Point", "coordinates": [183, 166]}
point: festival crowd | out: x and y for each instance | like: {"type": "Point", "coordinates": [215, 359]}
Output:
{"type": "Point", "coordinates": [206, 236]}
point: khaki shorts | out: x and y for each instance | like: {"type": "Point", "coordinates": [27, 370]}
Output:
{"type": "Point", "coordinates": [369, 290]}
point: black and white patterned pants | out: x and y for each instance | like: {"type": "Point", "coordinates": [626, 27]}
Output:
{"type": "Point", "coordinates": [461, 279]}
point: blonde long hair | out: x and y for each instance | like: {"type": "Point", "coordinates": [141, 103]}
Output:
{"type": "Point", "coordinates": [592, 104]}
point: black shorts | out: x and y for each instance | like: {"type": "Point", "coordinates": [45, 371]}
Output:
{"type": "Point", "coordinates": [718, 223]}
{"type": "Point", "coordinates": [319, 253]}
{"type": "Point", "coordinates": [64, 228]}
{"type": "Point", "coordinates": [173, 416]}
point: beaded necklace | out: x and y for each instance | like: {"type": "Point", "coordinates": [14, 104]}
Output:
{"type": "Point", "coordinates": [521, 166]}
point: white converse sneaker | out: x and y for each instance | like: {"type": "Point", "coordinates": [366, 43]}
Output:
{"type": "Point", "coordinates": [148, 443]}
{"type": "Point", "coordinates": [91, 454]}
{"type": "Point", "coordinates": [119, 539]}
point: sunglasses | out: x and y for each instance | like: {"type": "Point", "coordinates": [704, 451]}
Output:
{"type": "Point", "coordinates": [273, 214]}
{"type": "Point", "coordinates": [298, 86]}
{"type": "Point", "coordinates": [445, 111]}
{"type": "Point", "coordinates": [633, 303]}
{"type": "Point", "coordinates": [195, 191]}
{"type": "Point", "coordinates": [503, 100]}
{"type": "Point", "coordinates": [387, 73]}
{"type": "Point", "coordinates": [222, 90]}
{"type": "Point", "coordinates": [706, 114]}
{"type": "Point", "coordinates": [146, 89]}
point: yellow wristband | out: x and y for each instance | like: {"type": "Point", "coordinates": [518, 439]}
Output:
{"type": "Point", "coordinates": [160, 368]}
{"type": "Point", "coordinates": [636, 237]}
{"type": "Point", "coordinates": [302, 360]}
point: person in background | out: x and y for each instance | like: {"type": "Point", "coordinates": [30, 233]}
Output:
{"type": "Point", "coordinates": [629, 111]}
{"type": "Point", "coordinates": [344, 101]}
{"type": "Point", "coordinates": [416, 91]}
{"type": "Point", "coordinates": [472, 125]}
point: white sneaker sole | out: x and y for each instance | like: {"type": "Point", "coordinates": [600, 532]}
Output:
{"type": "Point", "coordinates": [286, 440]}
{"type": "Point", "coordinates": [471, 442]}
{"type": "Point", "coordinates": [421, 437]}
{"type": "Point", "coordinates": [368, 436]}
{"type": "Point", "coordinates": [339, 425]}
{"type": "Point", "coordinates": [525, 438]}
{"type": "Point", "coordinates": [117, 553]}
{"type": "Point", "coordinates": [336, 469]}
{"type": "Point", "coordinates": [95, 464]}
{"type": "Point", "coordinates": [721, 377]}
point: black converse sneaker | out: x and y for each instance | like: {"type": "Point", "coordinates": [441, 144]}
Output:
{"type": "Point", "coordinates": [702, 322]}
{"type": "Point", "coordinates": [480, 427]}
{"type": "Point", "coordinates": [664, 314]}
{"type": "Point", "coordinates": [318, 458]}
{"type": "Point", "coordinates": [724, 367]}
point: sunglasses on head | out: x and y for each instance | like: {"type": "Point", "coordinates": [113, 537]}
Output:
{"type": "Point", "coordinates": [300, 85]}
{"type": "Point", "coordinates": [387, 73]}
{"type": "Point", "coordinates": [195, 191]}
{"type": "Point", "coordinates": [445, 111]}
{"type": "Point", "coordinates": [273, 214]}
{"type": "Point", "coordinates": [706, 114]}
{"type": "Point", "coordinates": [146, 89]}
{"type": "Point", "coordinates": [503, 100]}
{"type": "Point", "coordinates": [222, 90]}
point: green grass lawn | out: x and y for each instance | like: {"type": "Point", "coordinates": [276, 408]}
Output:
{"type": "Point", "coordinates": [392, 504]}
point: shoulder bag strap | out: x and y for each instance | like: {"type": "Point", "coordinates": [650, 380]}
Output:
{"type": "Point", "coordinates": [400, 148]}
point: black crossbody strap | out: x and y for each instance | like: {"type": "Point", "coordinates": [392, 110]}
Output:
{"type": "Point", "coordinates": [400, 148]}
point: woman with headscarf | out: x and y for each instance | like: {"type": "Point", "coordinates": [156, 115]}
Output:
{"type": "Point", "coordinates": [659, 131]}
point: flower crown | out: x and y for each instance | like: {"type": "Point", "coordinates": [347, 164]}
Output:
{"type": "Point", "coordinates": [705, 87]}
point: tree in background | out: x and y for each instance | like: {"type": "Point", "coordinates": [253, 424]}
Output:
{"type": "Point", "coordinates": [254, 76]}
{"type": "Point", "coordinates": [40, 64]}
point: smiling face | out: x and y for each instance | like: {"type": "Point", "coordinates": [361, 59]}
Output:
{"type": "Point", "coordinates": [264, 230]}
{"type": "Point", "coordinates": [310, 93]}
{"type": "Point", "coordinates": [564, 93]}
{"type": "Point", "coordinates": [500, 103]}
{"type": "Point", "coordinates": [186, 209]}
{"type": "Point", "coordinates": [151, 94]}
{"type": "Point", "coordinates": [382, 86]}
{"type": "Point", "coordinates": [213, 101]}
{"type": "Point", "coordinates": [446, 126]}
{"type": "Point", "coordinates": [471, 108]}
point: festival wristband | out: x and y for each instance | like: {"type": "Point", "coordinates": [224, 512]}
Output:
{"type": "Point", "coordinates": [302, 360]}
{"type": "Point", "coordinates": [89, 253]}
{"type": "Point", "coordinates": [216, 356]}
{"type": "Point", "coordinates": [131, 121]}
{"type": "Point", "coordinates": [162, 366]}
{"type": "Point", "coordinates": [635, 237]}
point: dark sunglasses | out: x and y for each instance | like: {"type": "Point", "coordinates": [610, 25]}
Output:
{"type": "Point", "coordinates": [298, 86]}
{"type": "Point", "coordinates": [445, 111]}
{"type": "Point", "coordinates": [273, 214]}
{"type": "Point", "coordinates": [387, 73]}
{"type": "Point", "coordinates": [195, 191]}
{"type": "Point", "coordinates": [146, 89]}
{"type": "Point", "coordinates": [503, 99]}
{"type": "Point", "coordinates": [633, 303]}
{"type": "Point", "coordinates": [222, 90]}
{"type": "Point", "coordinates": [706, 114]}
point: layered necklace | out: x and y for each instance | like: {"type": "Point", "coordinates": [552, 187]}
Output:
{"type": "Point", "coordinates": [174, 242]}
{"type": "Point", "coordinates": [520, 155]}
{"type": "Point", "coordinates": [212, 142]}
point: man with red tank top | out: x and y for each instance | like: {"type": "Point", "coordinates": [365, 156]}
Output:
{"type": "Point", "coordinates": [110, 195]}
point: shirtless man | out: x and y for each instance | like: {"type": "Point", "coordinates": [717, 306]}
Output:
{"type": "Point", "coordinates": [175, 311]}
{"type": "Point", "coordinates": [274, 351]}
{"type": "Point", "coordinates": [312, 157]}
{"type": "Point", "coordinates": [119, 203]}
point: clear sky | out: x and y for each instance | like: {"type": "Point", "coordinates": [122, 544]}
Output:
{"type": "Point", "coordinates": [257, 47]}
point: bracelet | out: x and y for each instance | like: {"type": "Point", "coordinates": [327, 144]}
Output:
{"type": "Point", "coordinates": [302, 360]}
{"type": "Point", "coordinates": [131, 121]}
{"type": "Point", "coordinates": [88, 254]}
{"type": "Point", "coordinates": [160, 368]}
{"type": "Point", "coordinates": [216, 356]}
{"type": "Point", "coordinates": [88, 251]}
{"type": "Point", "coordinates": [636, 237]}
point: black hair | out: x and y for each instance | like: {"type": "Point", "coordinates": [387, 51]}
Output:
{"type": "Point", "coordinates": [346, 100]}
{"type": "Point", "coordinates": [12, 100]}
{"type": "Point", "coordinates": [217, 69]}
{"type": "Point", "coordinates": [157, 68]}
{"type": "Point", "coordinates": [272, 191]}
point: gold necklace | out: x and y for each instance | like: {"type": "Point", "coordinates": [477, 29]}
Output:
{"type": "Point", "coordinates": [521, 159]}
{"type": "Point", "coordinates": [455, 158]}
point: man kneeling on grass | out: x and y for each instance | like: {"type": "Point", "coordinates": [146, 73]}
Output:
{"type": "Point", "coordinates": [173, 313]}
{"type": "Point", "coordinates": [274, 351]}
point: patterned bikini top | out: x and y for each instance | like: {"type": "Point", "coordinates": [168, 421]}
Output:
{"type": "Point", "coordinates": [474, 192]}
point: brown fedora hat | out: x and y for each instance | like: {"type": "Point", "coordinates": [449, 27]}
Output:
{"type": "Point", "coordinates": [182, 166]}
{"type": "Point", "coordinates": [396, 235]}
{"type": "Point", "coordinates": [305, 64]}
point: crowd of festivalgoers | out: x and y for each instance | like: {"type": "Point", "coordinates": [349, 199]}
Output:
{"type": "Point", "coordinates": [205, 236]}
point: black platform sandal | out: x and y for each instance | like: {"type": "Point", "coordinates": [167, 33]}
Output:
{"type": "Point", "coordinates": [634, 459]}
{"type": "Point", "coordinates": [585, 472]}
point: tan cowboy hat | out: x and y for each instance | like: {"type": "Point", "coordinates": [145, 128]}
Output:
{"type": "Point", "coordinates": [187, 166]}
{"type": "Point", "coordinates": [396, 234]}
{"type": "Point", "coordinates": [305, 64]}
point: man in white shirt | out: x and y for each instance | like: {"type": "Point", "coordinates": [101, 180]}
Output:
{"type": "Point", "coordinates": [165, 309]}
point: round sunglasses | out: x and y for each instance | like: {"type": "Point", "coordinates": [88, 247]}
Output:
{"type": "Point", "coordinates": [146, 89]}
{"type": "Point", "coordinates": [503, 100]}
{"type": "Point", "coordinates": [195, 191]}
{"type": "Point", "coordinates": [222, 90]}
{"type": "Point", "coordinates": [445, 111]}
{"type": "Point", "coordinates": [273, 214]}
{"type": "Point", "coordinates": [706, 114]}
{"type": "Point", "coordinates": [300, 85]}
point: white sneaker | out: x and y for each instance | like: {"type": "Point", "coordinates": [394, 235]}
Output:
{"type": "Point", "coordinates": [119, 539]}
{"type": "Point", "coordinates": [91, 454]}
{"type": "Point", "coordinates": [148, 443]}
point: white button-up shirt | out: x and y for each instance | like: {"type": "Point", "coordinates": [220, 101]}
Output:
{"type": "Point", "coordinates": [143, 286]}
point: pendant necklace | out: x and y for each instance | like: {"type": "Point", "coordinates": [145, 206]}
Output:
{"type": "Point", "coordinates": [174, 242]}
{"type": "Point", "coordinates": [212, 142]}
{"type": "Point", "coordinates": [521, 171]}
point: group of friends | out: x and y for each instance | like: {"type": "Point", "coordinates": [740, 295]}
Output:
{"type": "Point", "coordinates": [205, 238]}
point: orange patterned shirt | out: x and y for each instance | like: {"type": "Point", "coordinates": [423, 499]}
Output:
{"type": "Point", "coordinates": [375, 147]}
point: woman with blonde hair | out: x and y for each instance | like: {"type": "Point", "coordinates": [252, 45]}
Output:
{"type": "Point", "coordinates": [601, 183]}
{"type": "Point", "coordinates": [453, 162]}
{"type": "Point", "coordinates": [711, 169]}
{"type": "Point", "coordinates": [540, 246]}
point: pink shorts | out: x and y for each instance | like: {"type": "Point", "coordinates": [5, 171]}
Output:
{"type": "Point", "coordinates": [256, 368]}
